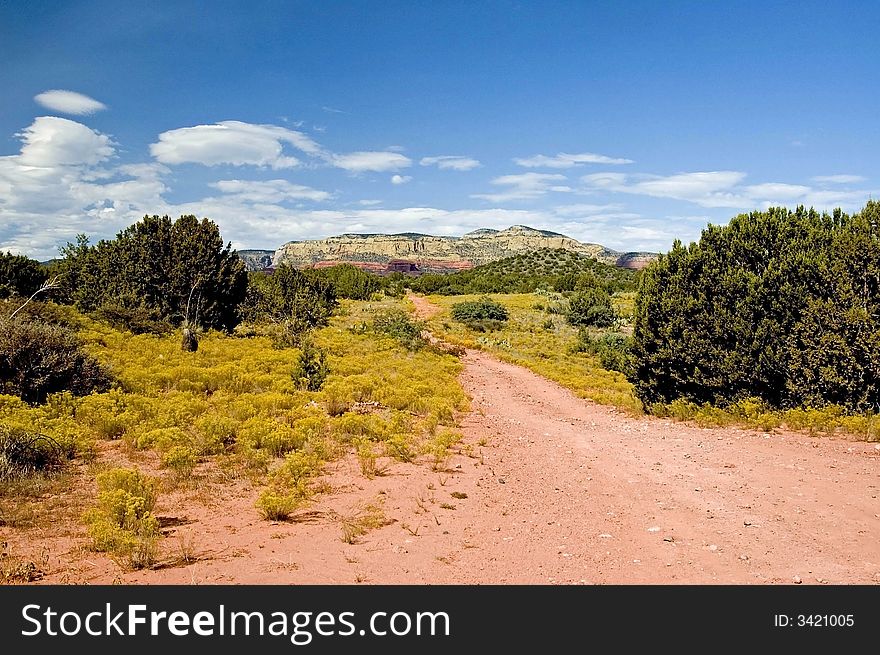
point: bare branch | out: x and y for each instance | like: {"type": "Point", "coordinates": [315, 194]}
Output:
{"type": "Point", "coordinates": [46, 286]}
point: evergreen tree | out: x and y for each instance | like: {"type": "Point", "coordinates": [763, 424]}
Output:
{"type": "Point", "coordinates": [160, 265]}
{"type": "Point", "coordinates": [19, 275]}
{"type": "Point", "coordinates": [780, 305]}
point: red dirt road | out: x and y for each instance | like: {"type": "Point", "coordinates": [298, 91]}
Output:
{"type": "Point", "coordinates": [577, 491]}
{"type": "Point", "coordinates": [549, 488]}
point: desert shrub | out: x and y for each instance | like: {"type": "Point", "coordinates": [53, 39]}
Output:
{"type": "Point", "coordinates": [180, 460]}
{"type": "Point", "coordinates": [273, 436]}
{"type": "Point", "coordinates": [400, 447]}
{"type": "Point", "coordinates": [311, 368]}
{"type": "Point", "coordinates": [159, 439]}
{"type": "Point", "coordinates": [400, 326]}
{"type": "Point", "coordinates": [40, 312]}
{"type": "Point", "coordinates": [526, 273]}
{"type": "Point", "coordinates": [439, 448]}
{"type": "Point", "coordinates": [105, 414]}
{"type": "Point", "coordinates": [370, 517]}
{"type": "Point", "coordinates": [590, 307]}
{"type": "Point", "coordinates": [778, 305]}
{"type": "Point", "coordinates": [484, 309]}
{"type": "Point", "coordinates": [297, 468]}
{"type": "Point", "coordinates": [348, 281]}
{"type": "Point", "coordinates": [289, 486]}
{"type": "Point", "coordinates": [614, 350]}
{"type": "Point", "coordinates": [368, 458]}
{"type": "Point", "coordinates": [23, 453]}
{"type": "Point", "coordinates": [277, 505]}
{"type": "Point", "coordinates": [290, 300]}
{"type": "Point", "coordinates": [353, 425]}
{"type": "Point", "coordinates": [137, 320]}
{"type": "Point", "coordinates": [38, 359]}
{"type": "Point", "coordinates": [215, 433]}
{"type": "Point", "coordinates": [123, 524]}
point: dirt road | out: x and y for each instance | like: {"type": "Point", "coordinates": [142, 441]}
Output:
{"type": "Point", "coordinates": [577, 491]}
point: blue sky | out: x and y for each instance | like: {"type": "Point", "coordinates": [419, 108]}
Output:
{"type": "Point", "coordinates": [623, 123]}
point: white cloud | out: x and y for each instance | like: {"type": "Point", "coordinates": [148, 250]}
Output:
{"type": "Point", "coordinates": [51, 141]}
{"type": "Point", "coordinates": [69, 102]}
{"type": "Point", "coordinates": [271, 191]}
{"type": "Point", "coordinates": [776, 190]}
{"type": "Point", "coordinates": [451, 162]}
{"type": "Point", "coordinates": [233, 142]}
{"type": "Point", "coordinates": [838, 179]}
{"type": "Point", "coordinates": [723, 189]}
{"type": "Point", "coordinates": [361, 162]}
{"type": "Point", "coordinates": [56, 187]}
{"type": "Point", "coordinates": [566, 160]}
{"type": "Point", "coordinates": [707, 186]}
{"type": "Point", "coordinates": [709, 189]}
{"type": "Point", "coordinates": [66, 179]}
{"type": "Point", "coordinates": [524, 186]}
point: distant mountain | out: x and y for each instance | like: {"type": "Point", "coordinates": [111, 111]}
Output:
{"type": "Point", "coordinates": [433, 253]}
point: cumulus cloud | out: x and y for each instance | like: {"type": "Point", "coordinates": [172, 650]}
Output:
{"type": "Point", "coordinates": [524, 186]}
{"type": "Point", "coordinates": [233, 142]}
{"type": "Point", "coordinates": [451, 162]}
{"type": "Point", "coordinates": [66, 179]}
{"type": "Point", "coordinates": [69, 102]}
{"type": "Point", "coordinates": [364, 161]}
{"type": "Point", "coordinates": [838, 179]}
{"type": "Point", "coordinates": [248, 144]}
{"type": "Point", "coordinates": [51, 141]}
{"type": "Point", "coordinates": [566, 160]}
{"type": "Point", "coordinates": [57, 186]}
{"type": "Point", "coordinates": [270, 191]}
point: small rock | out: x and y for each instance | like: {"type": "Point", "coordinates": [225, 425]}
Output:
{"type": "Point", "coordinates": [796, 579]}
{"type": "Point", "coordinates": [669, 539]}
{"type": "Point", "coordinates": [698, 489]}
{"type": "Point", "coordinates": [713, 547]}
{"type": "Point", "coordinates": [605, 535]}
{"type": "Point", "coordinates": [496, 529]}
{"type": "Point", "coordinates": [501, 480]}
{"type": "Point", "coordinates": [744, 558]}
{"type": "Point", "coordinates": [747, 523]}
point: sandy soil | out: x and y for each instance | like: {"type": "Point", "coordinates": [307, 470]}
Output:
{"type": "Point", "coordinates": [549, 488]}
